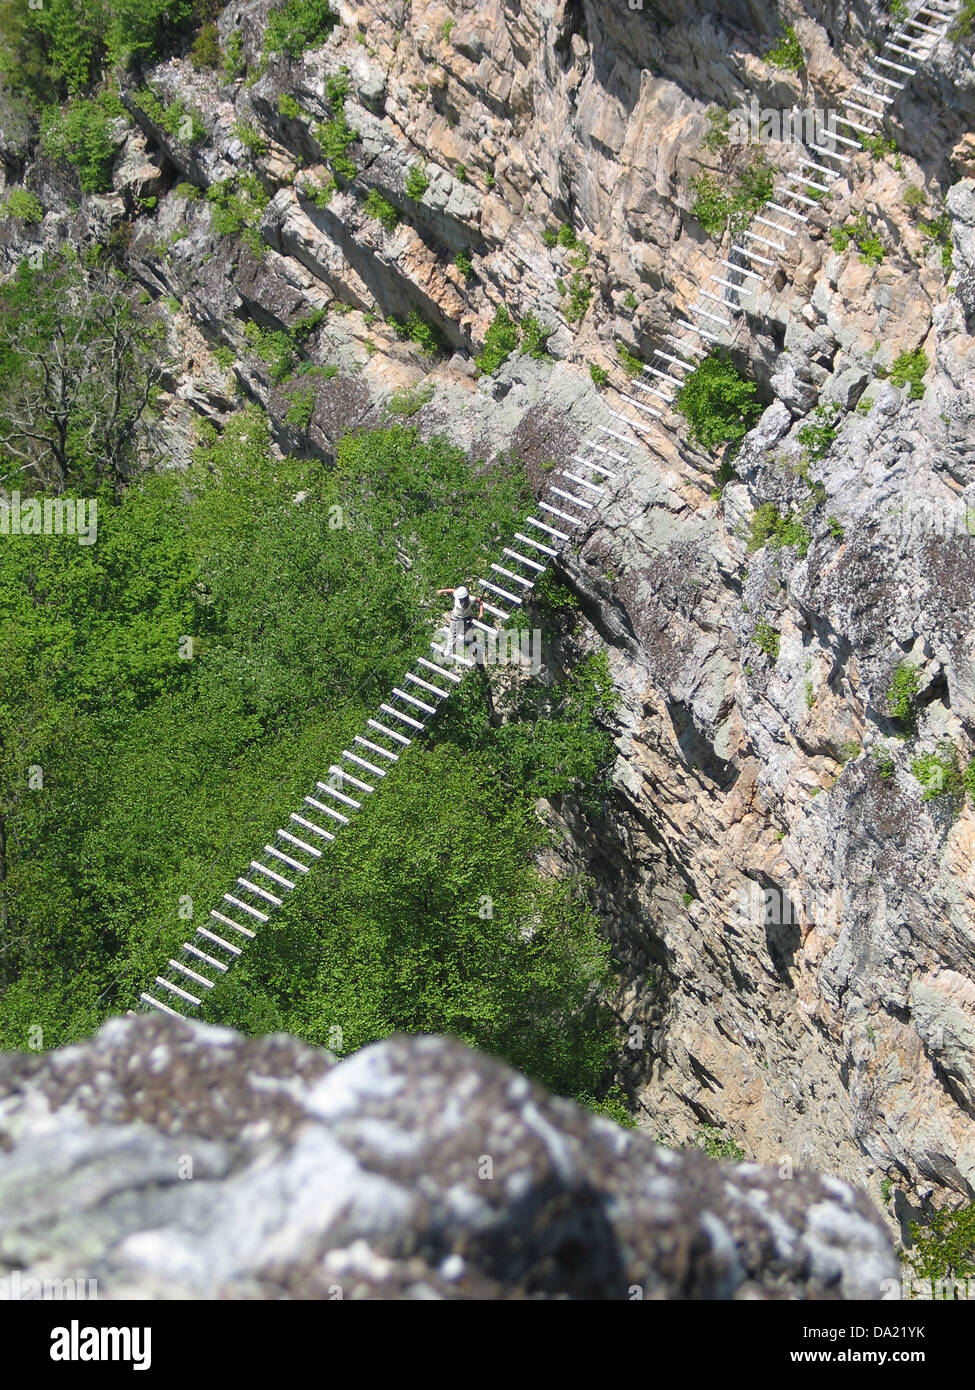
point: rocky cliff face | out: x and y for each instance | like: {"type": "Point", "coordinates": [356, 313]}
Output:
{"type": "Point", "coordinates": [838, 1035]}
{"type": "Point", "coordinates": [170, 1161]}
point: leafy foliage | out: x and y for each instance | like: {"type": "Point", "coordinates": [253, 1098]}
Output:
{"type": "Point", "coordinates": [963, 25]}
{"type": "Point", "coordinates": [772, 528]}
{"type": "Point", "coordinates": [719, 404]}
{"type": "Point", "coordinates": [417, 182]}
{"type": "Point", "coordinates": [24, 206]}
{"type": "Point", "coordinates": [205, 52]}
{"type": "Point", "coordinates": [719, 205]}
{"type": "Point", "coordinates": [944, 1246]}
{"type": "Point", "coordinates": [630, 363]}
{"type": "Point", "coordinates": [767, 638]}
{"type": "Point", "coordinates": [82, 133]}
{"type": "Point", "coordinates": [420, 331]}
{"type": "Point", "coordinates": [578, 298]}
{"type": "Point", "coordinates": [77, 370]}
{"type": "Point", "coordinates": [335, 137]}
{"type": "Point", "coordinates": [937, 232]}
{"type": "Point", "coordinates": [64, 48]}
{"type": "Point", "coordinates": [382, 209]}
{"type": "Point", "coordinates": [500, 341]}
{"type": "Point", "coordinates": [902, 694]}
{"type": "Point", "coordinates": [819, 438]}
{"type": "Point", "coordinates": [716, 1144]}
{"type": "Point", "coordinates": [718, 133]}
{"type": "Point", "coordinates": [297, 25]}
{"type": "Point", "coordinates": [181, 123]}
{"type": "Point", "coordinates": [908, 370]}
{"type": "Point", "coordinates": [236, 205]}
{"type": "Point", "coordinates": [161, 774]}
{"type": "Point", "coordinates": [408, 403]}
{"type": "Point", "coordinates": [869, 244]}
{"type": "Point", "coordinates": [968, 779]}
{"type": "Point", "coordinates": [534, 336]}
{"type": "Point", "coordinates": [787, 52]}
{"type": "Point", "coordinates": [940, 774]}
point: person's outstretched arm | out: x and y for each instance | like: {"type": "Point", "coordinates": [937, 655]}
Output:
{"type": "Point", "coordinates": [445, 591]}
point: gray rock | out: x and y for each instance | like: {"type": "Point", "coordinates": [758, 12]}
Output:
{"type": "Point", "coordinates": [176, 1160]}
{"type": "Point", "coordinates": [846, 387]}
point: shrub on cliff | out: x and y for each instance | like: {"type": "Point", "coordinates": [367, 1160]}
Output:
{"type": "Point", "coordinates": [944, 1247]}
{"type": "Point", "coordinates": [297, 25]}
{"type": "Point", "coordinates": [82, 133]}
{"type": "Point", "coordinates": [417, 182]}
{"type": "Point", "coordinates": [500, 341]}
{"type": "Point", "coordinates": [902, 694]}
{"type": "Point", "coordinates": [719, 404]}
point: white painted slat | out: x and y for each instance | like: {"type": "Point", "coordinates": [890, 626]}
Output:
{"type": "Point", "coordinates": [877, 96]}
{"type": "Point", "coordinates": [275, 877]}
{"type": "Point", "coordinates": [559, 535]}
{"type": "Point", "coordinates": [896, 67]}
{"type": "Point", "coordinates": [789, 212]}
{"type": "Point", "coordinates": [403, 718]}
{"type": "Point", "coordinates": [764, 241]}
{"type": "Point", "coordinates": [337, 771]}
{"type": "Point", "coordinates": [579, 482]}
{"type": "Point", "coordinates": [327, 810]}
{"type": "Point", "coordinates": [432, 666]}
{"type": "Point", "coordinates": [610, 453]}
{"type": "Point", "coordinates": [390, 733]}
{"type": "Point", "coordinates": [742, 270]}
{"type": "Point", "coordinates": [202, 955]}
{"type": "Point", "coordinates": [175, 989]}
{"type": "Point", "coordinates": [163, 1008]}
{"type": "Point", "coordinates": [454, 656]}
{"type": "Point", "coordinates": [554, 511]}
{"type": "Point", "coordinates": [229, 922]}
{"type": "Point", "coordinates": [339, 796]}
{"type": "Point", "coordinates": [364, 762]}
{"type": "Point", "coordinates": [510, 574]}
{"type": "Point", "coordinates": [228, 946]}
{"type": "Point", "coordinates": [300, 844]}
{"type": "Point", "coordinates": [820, 168]}
{"type": "Point", "coordinates": [535, 545]}
{"type": "Point", "coordinates": [245, 907]}
{"type": "Point", "coordinates": [498, 613]}
{"type": "Point", "coordinates": [310, 825]}
{"type": "Point", "coordinates": [364, 743]}
{"type": "Point", "coordinates": [412, 700]}
{"type": "Point", "coordinates": [424, 685]}
{"type": "Point", "coordinates": [191, 974]}
{"type": "Point", "coordinates": [703, 332]}
{"type": "Point", "coordinates": [571, 497]}
{"type": "Point", "coordinates": [260, 892]}
{"type": "Point", "coordinates": [524, 558]}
